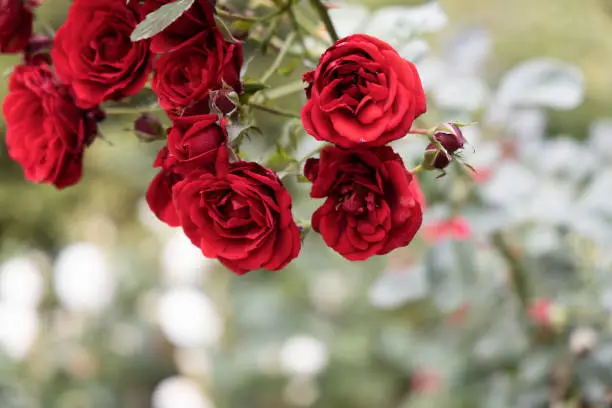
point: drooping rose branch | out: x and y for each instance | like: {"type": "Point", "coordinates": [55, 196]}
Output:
{"type": "Point", "coordinates": [361, 96]}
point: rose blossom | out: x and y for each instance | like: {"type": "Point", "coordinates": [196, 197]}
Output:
{"type": "Point", "coordinates": [159, 193]}
{"type": "Point", "coordinates": [46, 132]}
{"type": "Point", "coordinates": [199, 17]}
{"type": "Point", "coordinates": [15, 25]}
{"type": "Point", "coordinates": [373, 204]}
{"type": "Point", "coordinates": [241, 217]}
{"type": "Point", "coordinates": [362, 92]}
{"type": "Point", "coordinates": [195, 143]}
{"type": "Point", "coordinates": [93, 51]}
{"type": "Point", "coordinates": [184, 78]}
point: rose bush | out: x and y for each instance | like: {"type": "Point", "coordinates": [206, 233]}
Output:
{"type": "Point", "coordinates": [373, 204]}
{"type": "Point", "coordinates": [362, 92]}
{"type": "Point", "coordinates": [46, 132]}
{"type": "Point", "coordinates": [93, 52]}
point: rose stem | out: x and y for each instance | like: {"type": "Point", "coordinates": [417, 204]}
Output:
{"type": "Point", "coordinates": [279, 58]}
{"type": "Point", "coordinates": [274, 111]}
{"type": "Point", "coordinates": [283, 90]}
{"type": "Point", "coordinates": [324, 14]}
{"type": "Point", "coordinates": [126, 110]}
{"type": "Point", "coordinates": [518, 272]}
{"type": "Point", "coordinates": [420, 131]}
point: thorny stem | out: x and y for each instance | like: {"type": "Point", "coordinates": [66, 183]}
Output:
{"type": "Point", "coordinates": [235, 16]}
{"type": "Point", "coordinates": [283, 90]}
{"type": "Point", "coordinates": [518, 272]}
{"type": "Point", "coordinates": [279, 58]}
{"type": "Point", "coordinates": [275, 111]}
{"type": "Point", "coordinates": [296, 27]}
{"type": "Point", "coordinates": [120, 110]}
{"type": "Point", "coordinates": [324, 14]}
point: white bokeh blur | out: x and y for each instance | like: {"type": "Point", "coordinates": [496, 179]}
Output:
{"type": "Point", "coordinates": [182, 262]}
{"type": "Point", "coordinates": [180, 392]}
{"type": "Point", "coordinates": [303, 355]}
{"type": "Point", "coordinates": [21, 282]}
{"type": "Point", "coordinates": [83, 279]}
{"type": "Point", "coordinates": [189, 318]}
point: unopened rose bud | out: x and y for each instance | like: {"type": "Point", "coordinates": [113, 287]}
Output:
{"type": "Point", "coordinates": [148, 128]}
{"type": "Point", "coordinates": [451, 139]}
{"type": "Point", "coordinates": [223, 101]}
{"type": "Point", "coordinates": [37, 50]}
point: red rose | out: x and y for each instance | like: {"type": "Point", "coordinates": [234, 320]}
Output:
{"type": "Point", "coordinates": [159, 193]}
{"type": "Point", "coordinates": [243, 217]}
{"type": "Point", "coordinates": [184, 78]}
{"type": "Point", "coordinates": [46, 132]}
{"type": "Point", "coordinates": [195, 143]}
{"type": "Point", "coordinates": [15, 25]}
{"type": "Point", "coordinates": [362, 92]}
{"type": "Point", "coordinates": [93, 51]}
{"type": "Point", "coordinates": [198, 18]}
{"type": "Point", "coordinates": [373, 203]}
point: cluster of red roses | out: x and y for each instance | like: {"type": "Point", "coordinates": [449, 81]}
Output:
{"type": "Point", "coordinates": [361, 96]}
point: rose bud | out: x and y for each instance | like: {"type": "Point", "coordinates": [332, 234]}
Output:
{"type": "Point", "coordinates": [451, 138]}
{"type": "Point", "coordinates": [223, 101]}
{"type": "Point", "coordinates": [148, 128]}
{"type": "Point", "coordinates": [37, 50]}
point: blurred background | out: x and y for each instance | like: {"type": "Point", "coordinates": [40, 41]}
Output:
{"type": "Point", "coordinates": [503, 300]}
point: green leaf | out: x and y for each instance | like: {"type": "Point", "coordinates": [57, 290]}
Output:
{"type": "Point", "coordinates": [288, 69]}
{"type": "Point", "coordinates": [225, 30]}
{"type": "Point", "coordinates": [157, 21]}
{"type": "Point", "coordinates": [241, 26]}
{"type": "Point", "coordinates": [253, 87]}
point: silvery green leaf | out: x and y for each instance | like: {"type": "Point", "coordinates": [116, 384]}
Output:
{"type": "Point", "coordinates": [349, 19]}
{"type": "Point", "coordinates": [396, 288]}
{"type": "Point", "coordinates": [157, 21]}
{"type": "Point", "coordinates": [461, 93]}
{"type": "Point", "coordinates": [468, 50]}
{"type": "Point", "coordinates": [451, 271]}
{"type": "Point", "coordinates": [431, 70]}
{"type": "Point", "coordinates": [511, 183]}
{"type": "Point", "coordinates": [551, 202]}
{"type": "Point", "coordinates": [487, 154]}
{"type": "Point", "coordinates": [394, 24]}
{"type": "Point", "coordinates": [600, 136]}
{"type": "Point", "coordinates": [485, 221]}
{"type": "Point", "coordinates": [415, 50]}
{"type": "Point", "coordinates": [527, 127]}
{"type": "Point", "coordinates": [542, 82]}
{"type": "Point", "coordinates": [566, 158]}
{"type": "Point", "coordinates": [596, 197]}
{"type": "Point", "coordinates": [542, 239]}
{"type": "Point", "coordinates": [591, 226]}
